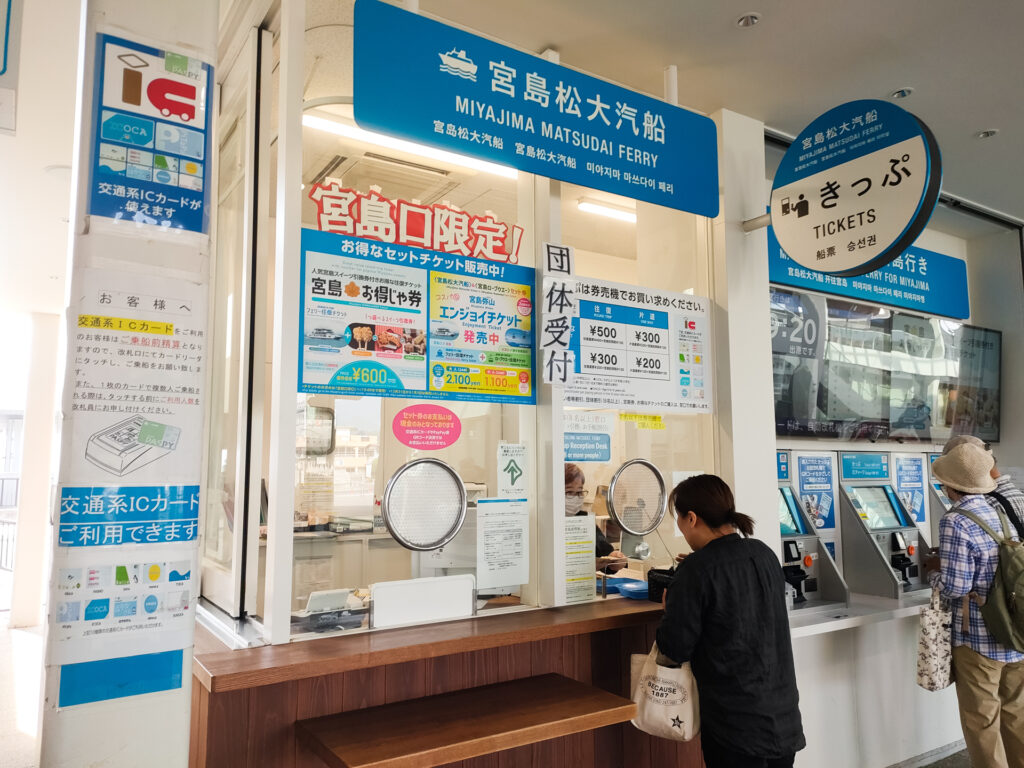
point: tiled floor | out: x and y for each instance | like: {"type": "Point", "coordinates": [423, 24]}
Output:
{"type": "Point", "coordinates": [21, 660]}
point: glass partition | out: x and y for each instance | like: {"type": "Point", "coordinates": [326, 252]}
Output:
{"type": "Point", "coordinates": [627, 242]}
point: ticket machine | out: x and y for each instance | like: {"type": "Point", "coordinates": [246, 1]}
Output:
{"type": "Point", "coordinates": [882, 548]}
{"type": "Point", "coordinates": [938, 500]}
{"type": "Point", "coordinates": [807, 564]}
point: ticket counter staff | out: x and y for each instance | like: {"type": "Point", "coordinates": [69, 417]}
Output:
{"type": "Point", "coordinates": [609, 559]}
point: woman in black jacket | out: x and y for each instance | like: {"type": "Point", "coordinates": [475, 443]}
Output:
{"type": "Point", "coordinates": [725, 613]}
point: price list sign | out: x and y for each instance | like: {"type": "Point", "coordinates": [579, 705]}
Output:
{"type": "Point", "coordinates": [640, 349]}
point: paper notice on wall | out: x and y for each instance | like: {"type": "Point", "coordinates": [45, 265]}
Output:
{"type": "Point", "coordinates": [127, 517]}
{"type": "Point", "coordinates": [580, 562]}
{"type": "Point", "coordinates": [512, 479]}
{"type": "Point", "coordinates": [138, 349]}
{"type": "Point", "coordinates": [502, 543]}
{"type": "Point", "coordinates": [640, 350]}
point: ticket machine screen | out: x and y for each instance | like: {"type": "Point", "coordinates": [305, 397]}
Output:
{"type": "Point", "coordinates": [789, 518]}
{"type": "Point", "coordinates": [874, 506]}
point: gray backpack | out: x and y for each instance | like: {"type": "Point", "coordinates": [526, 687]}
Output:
{"type": "Point", "coordinates": [1003, 610]}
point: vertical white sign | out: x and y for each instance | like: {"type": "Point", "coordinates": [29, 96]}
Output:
{"type": "Point", "coordinates": [502, 543]}
{"type": "Point", "coordinates": [580, 559]}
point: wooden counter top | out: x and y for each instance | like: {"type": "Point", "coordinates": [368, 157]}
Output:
{"type": "Point", "coordinates": [254, 667]}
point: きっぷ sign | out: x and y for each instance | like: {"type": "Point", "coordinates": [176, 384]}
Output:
{"type": "Point", "coordinates": [467, 94]}
{"type": "Point", "coordinates": [426, 427]}
{"type": "Point", "coordinates": [856, 188]}
{"type": "Point", "coordinates": [150, 136]}
{"type": "Point", "coordinates": [436, 227]}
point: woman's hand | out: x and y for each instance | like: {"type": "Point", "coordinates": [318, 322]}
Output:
{"type": "Point", "coordinates": [681, 556]}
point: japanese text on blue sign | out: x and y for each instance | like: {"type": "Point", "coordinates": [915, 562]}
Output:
{"type": "Point", "coordinates": [918, 279]}
{"type": "Point", "coordinates": [473, 96]}
{"type": "Point", "coordinates": [865, 466]}
{"type": "Point", "coordinates": [150, 136]}
{"type": "Point", "coordinates": [815, 486]}
{"type": "Point", "coordinates": [111, 515]}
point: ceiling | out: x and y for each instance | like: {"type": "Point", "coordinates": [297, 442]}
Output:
{"type": "Point", "coordinates": [963, 60]}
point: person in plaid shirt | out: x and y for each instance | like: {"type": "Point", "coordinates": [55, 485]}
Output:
{"type": "Point", "coordinates": [989, 677]}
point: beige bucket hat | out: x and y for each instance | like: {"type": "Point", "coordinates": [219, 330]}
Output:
{"type": "Point", "coordinates": [965, 468]}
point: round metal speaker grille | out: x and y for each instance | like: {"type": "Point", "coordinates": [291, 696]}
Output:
{"type": "Point", "coordinates": [424, 504]}
{"type": "Point", "coordinates": [637, 499]}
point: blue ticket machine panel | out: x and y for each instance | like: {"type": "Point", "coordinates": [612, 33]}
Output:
{"type": "Point", "coordinates": [881, 542]}
{"type": "Point", "coordinates": [807, 563]}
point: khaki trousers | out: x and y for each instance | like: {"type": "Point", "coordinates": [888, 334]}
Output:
{"type": "Point", "coordinates": [991, 697]}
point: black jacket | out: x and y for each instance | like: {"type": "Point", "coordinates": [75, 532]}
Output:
{"type": "Point", "coordinates": [726, 615]}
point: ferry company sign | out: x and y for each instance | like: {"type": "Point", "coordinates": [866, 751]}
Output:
{"type": "Point", "coordinates": [425, 81]}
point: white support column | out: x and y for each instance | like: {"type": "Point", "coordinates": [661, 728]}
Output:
{"type": "Point", "coordinates": [742, 341]}
{"type": "Point", "coordinates": [281, 493]}
{"type": "Point", "coordinates": [98, 722]}
{"type": "Point", "coordinates": [31, 559]}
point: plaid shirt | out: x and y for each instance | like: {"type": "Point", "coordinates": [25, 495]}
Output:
{"type": "Point", "coordinates": [969, 559]}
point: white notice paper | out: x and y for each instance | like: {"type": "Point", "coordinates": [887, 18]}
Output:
{"type": "Point", "coordinates": [512, 479]}
{"type": "Point", "coordinates": [580, 562]}
{"type": "Point", "coordinates": [502, 543]}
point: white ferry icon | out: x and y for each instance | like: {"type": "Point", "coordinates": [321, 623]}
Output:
{"type": "Point", "coordinates": [457, 63]}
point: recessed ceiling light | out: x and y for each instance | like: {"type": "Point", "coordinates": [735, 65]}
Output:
{"type": "Point", "coordinates": [987, 134]}
{"type": "Point", "coordinates": [901, 93]}
{"type": "Point", "coordinates": [606, 209]}
{"type": "Point", "coordinates": [748, 20]}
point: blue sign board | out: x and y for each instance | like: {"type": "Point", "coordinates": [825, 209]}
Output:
{"type": "Point", "coordinates": [919, 279]}
{"type": "Point", "coordinates": [782, 465]}
{"type": "Point", "coordinates": [910, 485]}
{"type": "Point", "coordinates": [588, 446]}
{"type": "Point", "coordinates": [151, 147]}
{"type": "Point", "coordinates": [428, 82]}
{"type": "Point", "coordinates": [856, 188]}
{"type": "Point", "coordinates": [815, 484]}
{"type": "Point", "coordinates": [865, 466]}
{"type": "Point", "coordinates": [8, 35]}
{"type": "Point", "coordinates": [112, 515]}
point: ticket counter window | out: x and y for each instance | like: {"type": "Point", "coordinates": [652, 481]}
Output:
{"type": "Point", "coordinates": [626, 244]}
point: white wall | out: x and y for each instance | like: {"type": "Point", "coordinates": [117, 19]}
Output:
{"type": "Point", "coordinates": [36, 161]}
{"type": "Point", "coordinates": [997, 301]}
{"type": "Point", "coordinates": [860, 705]}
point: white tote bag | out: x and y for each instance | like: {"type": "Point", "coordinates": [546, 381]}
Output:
{"type": "Point", "coordinates": [666, 698]}
{"type": "Point", "coordinates": [934, 645]}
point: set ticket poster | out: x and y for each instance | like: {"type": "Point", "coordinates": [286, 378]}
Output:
{"type": "Point", "coordinates": [394, 320]}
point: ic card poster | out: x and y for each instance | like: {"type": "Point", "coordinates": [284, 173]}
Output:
{"type": "Point", "coordinates": [151, 139]}
{"type": "Point", "coordinates": [127, 518]}
{"type": "Point", "coordinates": [393, 320]}
{"type": "Point", "coordinates": [641, 349]}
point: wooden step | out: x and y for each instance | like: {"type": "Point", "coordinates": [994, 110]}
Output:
{"type": "Point", "coordinates": [455, 726]}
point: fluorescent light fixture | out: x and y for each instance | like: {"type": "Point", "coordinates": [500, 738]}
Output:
{"type": "Point", "coordinates": [388, 142]}
{"type": "Point", "coordinates": [604, 209]}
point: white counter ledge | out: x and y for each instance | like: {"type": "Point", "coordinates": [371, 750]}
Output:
{"type": "Point", "coordinates": [862, 610]}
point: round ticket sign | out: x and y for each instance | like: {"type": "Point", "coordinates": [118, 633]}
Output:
{"type": "Point", "coordinates": [856, 188]}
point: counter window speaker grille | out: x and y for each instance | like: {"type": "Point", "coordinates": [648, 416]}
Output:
{"type": "Point", "coordinates": [637, 499]}
{"type": "Point", "coordinates": [424, 504]}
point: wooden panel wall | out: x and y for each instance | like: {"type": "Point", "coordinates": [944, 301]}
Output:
{"type": "Point", "coordinates": [254, 728]}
